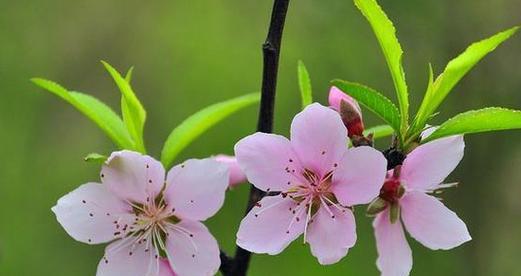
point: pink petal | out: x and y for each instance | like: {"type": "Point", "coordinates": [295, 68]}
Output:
{"type": "Point", "coordinates": [330, 238]}
{"type": "Point", "coordinates": [271, 225]}
{"type": "Point", "coordinates": [133, 176]}
{"type": "Point", "coordinates": [394, 253]}
{"type": "Point", "coordinates": [336, 96]}
{"type": "Point", "coordinates": [192, 250]}
{"type": "Point", "coordinates": [318, 136]}
{"type": "Point", "coordinates": [195, 189]}
{"type": "Point", "coordinates": [266, 160]}
{"type": "Point", "coordinates": [164, 268]}
{"type": "Point", "coordinates": [431, 223]}
{"type": "Point", "coordinates": [359, 176]}
{"type": "Point", "coordinates": [429, 164]}
{"type": "Point", "coordinates": [124, 257]}
{"type": "Point", "coordinates": [236, 174]}
{"type": "Point", "coordinates": [88, 214]}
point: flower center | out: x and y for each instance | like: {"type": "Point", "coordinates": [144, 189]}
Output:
{"type": "Point", "coordinates": [314, 189]}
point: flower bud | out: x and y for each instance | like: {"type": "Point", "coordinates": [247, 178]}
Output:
{"type": "Point", "coordinates": [349, 110]}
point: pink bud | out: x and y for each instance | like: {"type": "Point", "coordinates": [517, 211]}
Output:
{"type": "Point", "coordinates": [236, 174]}
{"type": "Point", "coordinates": [349, 111]}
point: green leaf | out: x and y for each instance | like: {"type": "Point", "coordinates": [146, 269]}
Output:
{"type": "Point", "coordinates": [304, 83]}
{"type": "Point", "coordinates": [379, 131]}
{"type": "Point", "coordinates": [94, 109]}
{"type": "Point", "coordinates": [374, 101]}
{"type": "Point", "coordinates": [476, 121]}
{"type": "Point", "coordinates": [455, 70]}
{"type": "Point", "coordinates": [128, 76]}
{"type": "Point", "coordinates": [386, 35]}
{"type": "Point", "coordinates": [95, 158]}
{"type": "Point", "coordinates": [198, 123]}
{"type": "Point", "coordinates": [134, 114]}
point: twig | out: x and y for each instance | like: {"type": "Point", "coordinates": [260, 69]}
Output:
{"type": "Point", "coordinates": [238, 266]}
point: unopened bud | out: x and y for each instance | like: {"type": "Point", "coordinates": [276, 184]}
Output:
{"type": "Point", "coordinates": [349, 111]}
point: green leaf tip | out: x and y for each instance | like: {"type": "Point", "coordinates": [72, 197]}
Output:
{"type": "Point", "coordinates": [199, 122]}
{"type": "Point", "coordinates": [98, 112]}
{"type": "Point", "coordinates": [304, 82]}
{"type": "Point", "coordinates": [134, 114]}
{"type": "Point", "coordinates": [477, 121]}
{"type": "Point", "coordinates": [372, 100]}
{"type": "Point", "coordinates": [455, 70]}
{"type": "Point", "coordinates": [385, 33]}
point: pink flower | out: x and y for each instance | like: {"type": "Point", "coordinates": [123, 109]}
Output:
{"type": "Point", "coordinates": [405, 194]}
{"type": "Point", "coordinates": [349, 110]}
{"type": "Point", "coordinates": [236, 175]}
{"type": "Point", "coordinates": [147, 216]}
{"type": "Point", "coordinates": [164, 268]}
{"type": "Point", "coordinates": [318, 178]}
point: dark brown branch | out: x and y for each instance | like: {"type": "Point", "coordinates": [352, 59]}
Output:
{"type": "Point", "coordinates": [238, 266]}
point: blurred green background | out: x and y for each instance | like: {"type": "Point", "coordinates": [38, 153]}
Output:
{"type": "Point", "coordinates": [189, 54]}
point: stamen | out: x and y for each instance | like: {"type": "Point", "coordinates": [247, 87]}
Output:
{"type": "Point", "coordinates": [327, 208]}
{"type": "Point", "coordinates": [308, 218]}
{"type": "Point", "coordinates": [334, 204]}
{"type": "Point", "coordinates": [269, 207]}
{"type": "Point", "coordinates": [296, 213]}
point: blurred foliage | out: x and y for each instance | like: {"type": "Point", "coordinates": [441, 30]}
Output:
{"type": "Point", "coordinates": [190, 54]}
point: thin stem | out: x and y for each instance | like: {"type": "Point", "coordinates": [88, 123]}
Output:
{"type": "Point", "coordinates": [238, 266]}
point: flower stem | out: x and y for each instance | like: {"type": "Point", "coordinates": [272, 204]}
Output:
{"type": "Point", "coordinates": [238, 266]}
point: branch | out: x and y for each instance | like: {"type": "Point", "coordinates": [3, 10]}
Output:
{"type": "Point", "coordinates": [238, 266]}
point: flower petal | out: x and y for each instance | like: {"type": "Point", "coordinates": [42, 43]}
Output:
{"type": "Point", "coordinates": [431, 223]}
{"type": "Point", "coordinates": [236, 174]}
{"type": "Point", "coordinates": [394, 253]}
{"type": "Point", "coordinates": [164, 268]}
{"type": "Point", "coordinates": [336, 96]}
{"type": "Point", "coordinates": [429, 164]}
{"type": "Point", "coordinates": [129, 258]}
{"type": "Point", "coordinates": [359, 176]}
{"type": "Point", "coordinates": [133, 176]}
{"type": "Point", "coordinates": [192, 250]}
{"type": "Point", "coordinates": [195, 189]}
{"type": "Point", "coordinates": [331, 237]}
{"type": "Point", "coordinates": [268, 161]}
{"type": "Point", "coordinates": [271, 225]}
{"type": "Point", "coordinates": [88, 214]}
{"type": "Point", "coordinates": [318, 136]}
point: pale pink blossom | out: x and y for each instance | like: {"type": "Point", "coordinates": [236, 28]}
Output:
{"type": "Point", "coordinates": [164, 268]}
{"type": "Point", "coordinates": [146, 215]}
{"type": "Point", "coordinates": [406, 195]}
{"type": "Point", "coordinates": [349, 110]}
{"type": "Point", "coordinates": [317, 179]}
{"type": "Point", "coordinates": [236, 175]}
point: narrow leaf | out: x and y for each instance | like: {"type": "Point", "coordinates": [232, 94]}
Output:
{"type": "Point", "coordinates": [128, 76]}
{"type": "Point", "coordinates": [372, 100]}
{"type": "Point", "coordinates": [304, 83]}
{"type": "Point", "coordinates": [386, 35]}
{"type": "Point", "coordinates": [134, 114]}
{"type": "Point", "coordinates": [476, 121]}
{"type": "Point", "coordinates": [379, 131]}
{"type": "Point", "coordinates": [456, 69]}
{"type": "Point", "coordinates": [95, 158]}
{"type": "Point", "coordinates": [198, 123]}
{"type": "Point", "coordinates": [94, 109]}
